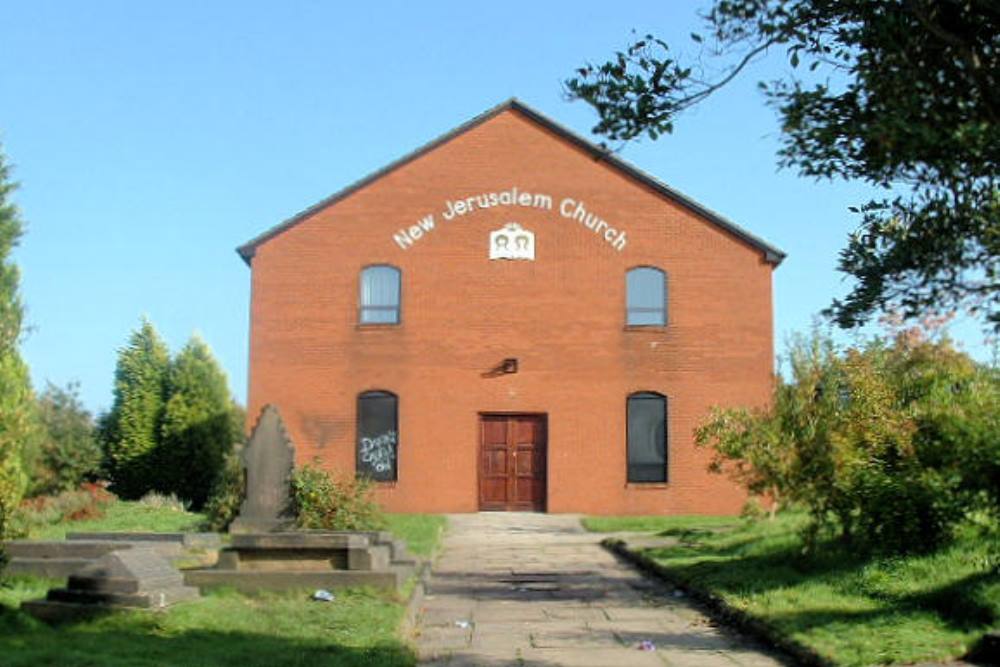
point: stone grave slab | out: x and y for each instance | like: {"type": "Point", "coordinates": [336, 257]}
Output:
{"type": "Point", "coordinates": [136, 578]}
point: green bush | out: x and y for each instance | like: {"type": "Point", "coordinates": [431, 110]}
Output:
{"type": "Point", "coordinates": [67, 452]}
{"type": "Point", "coordinates": [223, 504]}
{"type": "Point", "coordinates": [890, 445]}
{"type": "Point", "coordinates": [86, 502]}
{"type": "Point", "coordinates": [325, 503]}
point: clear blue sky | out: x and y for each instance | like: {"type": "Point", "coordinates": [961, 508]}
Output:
{"type": "Point", "coordinates": [151, 139]}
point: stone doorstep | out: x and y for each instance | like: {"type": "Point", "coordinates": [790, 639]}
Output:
{"type": "Point", "coordinates": [253, 581]}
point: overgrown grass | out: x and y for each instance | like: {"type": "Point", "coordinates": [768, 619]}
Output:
{"type": "Point", "coordinates": [848, 608]}
{"type": "Point", "coordinates": [223, 628]}
{"type": "Point", "coordinates": [422, 532]}
{"type": "Point", "coordinates": [125, 516]}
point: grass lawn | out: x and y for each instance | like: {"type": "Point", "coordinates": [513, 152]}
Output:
{"type": "Point", "coordinates": [222, 628]}
{"type": "Point", "coordinates": [849, 609]}
{"type": "Point", "coordinates": [125, 516]}
{"type": "Point", "coordinates": [422, 532]}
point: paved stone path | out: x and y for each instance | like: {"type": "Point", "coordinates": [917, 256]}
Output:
{"type": "Point", "coordinates": [536, 590]}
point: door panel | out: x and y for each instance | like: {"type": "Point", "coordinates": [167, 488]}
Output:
{"type": "Point", "coordinates": [512, 462]}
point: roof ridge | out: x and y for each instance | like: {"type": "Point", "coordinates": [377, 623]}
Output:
{"type": "Point", "coordinates": [771, 253]}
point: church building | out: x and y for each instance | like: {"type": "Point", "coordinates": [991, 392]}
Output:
{"type": "Point", "coordinates": [512, 318]}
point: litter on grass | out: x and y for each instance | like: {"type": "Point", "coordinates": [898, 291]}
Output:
{"type": "Point", "coordinates": [323, 595]}
{"type": "Point", "coordinates": [647, 645]}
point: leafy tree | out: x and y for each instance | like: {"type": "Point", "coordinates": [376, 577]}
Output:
{"type": "Point", "coordinates": [130, 431]}
{"type": "Point", "coordinates": [68, 450]}
{"type": "Point", "coordinates": [198, 424]}
{"type": "Point", "coordinates": [910, 102]}
{"type": "Point", "coordinates": [17, 419]}
{"type": "Point", "coordinates": [890, 445]}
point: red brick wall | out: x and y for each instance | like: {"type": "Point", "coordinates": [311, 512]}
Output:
{"type": "Point", "coordinates": [561, 316]}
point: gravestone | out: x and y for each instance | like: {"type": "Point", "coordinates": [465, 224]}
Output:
{"type": "Point", "coordinates": [268, 459]}
{"type": "Point", "coordinates": [138, 577]}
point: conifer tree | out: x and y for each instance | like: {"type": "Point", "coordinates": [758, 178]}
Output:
{"type": "Point", "coordinates": [16, 400]}
{"type": "Point", "coordinates": [131, 429]}
{"type": "Point", "coordinates": [198, 425]}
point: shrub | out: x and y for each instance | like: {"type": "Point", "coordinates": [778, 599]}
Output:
{"type": "Point", "coordinates": [890, 445]}
{"type": "Point", "coordinates": [86, 502]}
{"type": "Point", "coordinates": [223, 505]}
{"type": "Point", "coordinates": [163, 501]}
{"type": "Point", "coordinates": [324, 502]}
{"type": "Point", "coordinates": [68, 452]}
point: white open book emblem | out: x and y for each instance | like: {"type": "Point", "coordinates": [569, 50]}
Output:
{"type": "Point", "coordinates": [512, 242]}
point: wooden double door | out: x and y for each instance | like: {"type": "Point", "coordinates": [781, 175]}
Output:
{"type": "Point", "coordinates": [512, 457]}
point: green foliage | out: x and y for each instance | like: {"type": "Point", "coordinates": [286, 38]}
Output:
{"type": "Point", "coordinates": [68, 452]}
{"type": "Point", "coordinates": [223, 504]}
{"type": "Point", "coordinates": [323, 502]}
{"type": "Point", "coordinates": [130, 431]}
{"type": "Point", "coordinates": [197, 428]}
{"type": "Point", "coordinates": [88, 502]}
{"type": "Point", "coordinates": [18, 422]}
{"type": "Point", "coordinates": [890, 445]}
{"type": "Point", "coordinates": [902, 94]}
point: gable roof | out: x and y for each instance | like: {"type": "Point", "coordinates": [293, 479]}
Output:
{"type": "Point", "coordinates": [771, 253]}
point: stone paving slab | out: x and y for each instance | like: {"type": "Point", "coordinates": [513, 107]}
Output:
{"type": "Point", "coordinates": [537, 590]}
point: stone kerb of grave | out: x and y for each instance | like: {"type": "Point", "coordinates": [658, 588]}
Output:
{"type": "Point", "coordinates": [127, 579]}
{"type": "Point", "coordinates": [268, 461]}
{"type": "Point", "coordinates": [304, 559]}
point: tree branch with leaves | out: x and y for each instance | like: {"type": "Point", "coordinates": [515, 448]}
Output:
{"type": "Point", "coordinates": [902, 94]}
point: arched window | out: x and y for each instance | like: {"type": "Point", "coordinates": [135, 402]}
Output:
{"type": "Point", "coordinates": [378, 435]}
{"type": "Point", "coordinates": [380, 292]}
{"type": "Point", "coordinates": [646, 297]}
{"type": "Point", "coordinates": [647, 437]}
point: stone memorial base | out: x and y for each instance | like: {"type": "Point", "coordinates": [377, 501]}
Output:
{"type": "Point", "coordinates": [308, 559]}
{"type": "Point", "coordinates": [137, 578]}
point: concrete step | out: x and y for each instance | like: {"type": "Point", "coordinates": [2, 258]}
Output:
{"type": "Point", "coordinates": [254, 581]}
{"type": "Point", "coordinates": [52, 568]}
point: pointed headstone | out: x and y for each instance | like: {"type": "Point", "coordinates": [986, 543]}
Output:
{"type": "Point", "coordinates": [268, 460]}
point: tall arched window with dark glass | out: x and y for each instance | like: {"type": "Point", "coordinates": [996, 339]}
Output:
{"type": "Point", "coordinates": [378, 435]}
{"type": "Point", "coordinates": [646, 297]}
{"type": "Point", "coordinates": [647, 437]}
{"type": "Point", "coordinates": [380, 295]}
